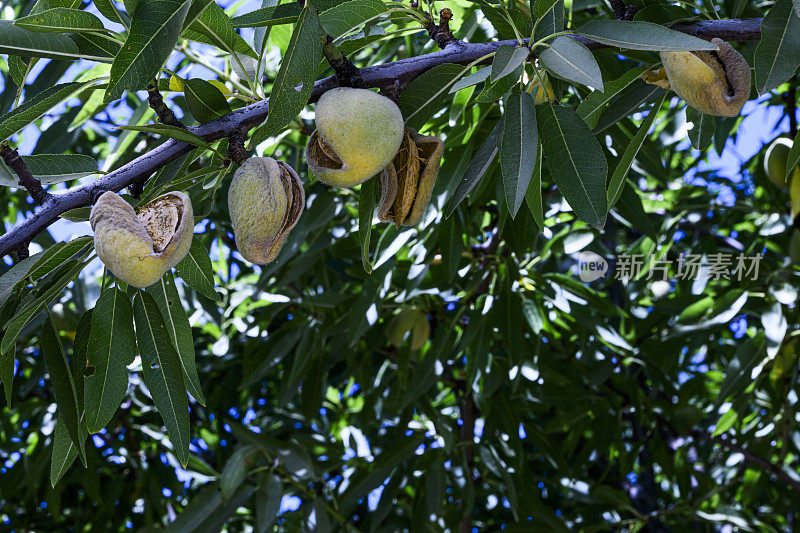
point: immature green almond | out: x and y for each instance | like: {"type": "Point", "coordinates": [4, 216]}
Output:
{"type": "Point", "coordinates": [411, 321]}
{"type": "Point", "coordinates": [139, 249]}
{"type": "Point", "coordinates": [775, 160]}
{"type": "Point", "coordinates": [716, 83]}
{"type": "Point", "coordinates": [358, 133]}
{"type": "Point", "coordinates": [265, 201]}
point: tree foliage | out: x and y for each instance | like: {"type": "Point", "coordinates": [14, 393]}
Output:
{"type": "Point", "coordinates": [453, 375]}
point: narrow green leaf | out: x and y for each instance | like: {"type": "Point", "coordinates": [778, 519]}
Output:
{"type": "Point", "coordinates": [635, 35]}
{"type": "Point", "coordinates": [269, 16]}
{"type": "Point", "coordinates": [571, 60]}
{"type": "Point", "coordinates": [539, 8]}
{"type": "Point", "coordinates": [505, 62]}
{"type": "Point", "coordinates": [737, 372]}
{"type": "Point", "coordinates": [61, 20]}
{"type": "Point", "coordinates": [112, 348]}
{"type": "Point", "coordinates": [24, 315]}
{"type": "Point", "coordinates": [206, 513]}
{"type": "Point", "coordinates": [296, 77]}
{"type": "Point", "coordinates": [518, 143]}
{"type": "Point", "coordinates": [725, 422]}
{"type": "Point", "coordinates": [196, 270]}
{"type": "Point", "coordinates": [172, 132]}
{"type": "Point", "coordinates": [551, 22]}
{"type": "Point", "coordinates": [631, 208]}
{"type": "Point", "coordinates": [213, 26]}
{"type": "Point", "coordinates": [575, 160]}
{"type": "Point", "coordinates": [14, 275]}
{"type": "Point", "coordinates": [627, 102]}
{"type": "Point", "coordinates": [51, 168]}
{"type": "Point", "coordinates": [618, 178]}
{"type": "Point", "coordinates": [21, 42]}
{"type": "Point", "coordinates": [36, 106]}
{"type": "Point", "coordinates": [472, 79]}
{"type": "Point", "coordinates": [7, 310]}
{"type": "Point", "coordinates": [58, 254]}
{"type": "Point", "coordinates": [110, 11]}
{"type": "Point", "coordinates": [79, 359]}
{"type": "Point", "coordinates": [367, 479]}
{"type": "Point", "coordinates": [268, 503]}
{"type": "Point", "coordinates": [366, 209]}
{"type": "Point", "coordinates": [777, 56]}
{"type": "Point", "coordinates": [347, 17]}
{"type": "Point", "coordinates": [61, 381]}
{"type": "Point", "coordinates": [19, 69]}
{"type": "Point", "coordinates": [155, 27]}
{"type": "Point", "coordinates": [425, 95]}
{"type": "Point", "coordinates": [702, 133]}
{"type": "Point", "coordinates": [63, 454]}
{"type": "Point", "coordinates": [318, 519]}
{"type": "Point", "coordinates": [165, 293]}
{"type": "Point", "coordinates": [236, 469]}
{"type": "Point", "coordinates": [205, 101]}
{"type": "Point", "coordinates": [97, 46]}
{"type": "Point", "coordinates": [161, 371]}
{"type": "Point", "coordinates": [594, 104]}
{"type": "Point", "coordinates": [533, 197]}
{"type": "Point", "coordinates": [477, 168]}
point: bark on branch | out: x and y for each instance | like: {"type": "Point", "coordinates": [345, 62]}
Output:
{"type": "Point", "coordinates": [398, 73]}
{"type": "Point", "coordinates": [32, 185]}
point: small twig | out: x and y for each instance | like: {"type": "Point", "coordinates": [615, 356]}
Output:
{"type": "Point", "coordinates": [32, 185]}
{"type": "Point", "coordinates": [440, 33]}
{"type": "Point", "coordinates": [23, 252]}
{"type": "Point", "coordinates": [165, 114]}
{"type": "Point", "coordinates": [623, 11]}
{"type": "Point", "coordinates": [393, 91]}
{"type": "Point", "coordinates": [467, 440]}
{"type": "Point", "coordinates": [750, 457]}
{"type": "Point", "coordinates": [347, 74]}
{"type": "Point", "coordinates": [236, 149]}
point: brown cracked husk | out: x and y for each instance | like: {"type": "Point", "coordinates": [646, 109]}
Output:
{"type": "Point", "coordinates": [407, 182]}
{"type": "Point", "coordinates": [297, 197]}
{"type": "Point", "coordinates": [323, 155]}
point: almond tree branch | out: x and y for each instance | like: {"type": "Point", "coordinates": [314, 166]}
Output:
{"type": "Point", "coordinates": [398, 73]}
{"type": "Point", "coordinates": [34, 187]}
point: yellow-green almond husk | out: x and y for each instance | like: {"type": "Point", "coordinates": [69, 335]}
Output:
{"type": "Point", "coordinates": [715, 83]}
{"type": "Point", "coordinates": [358, 133]}
{"type": "Point", "coordinates": [407, 182]}
{"type": "Point", "coordinates": [407, 321]}
{"type": "Point", "coordinates": [265, 200]}
{"type": "Point", "coordinates": [140, 248]}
